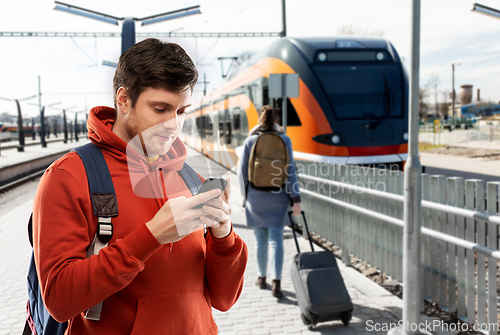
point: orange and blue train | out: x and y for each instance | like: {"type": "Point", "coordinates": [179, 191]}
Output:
{"type": "Point", "coordinates": [352, 106]}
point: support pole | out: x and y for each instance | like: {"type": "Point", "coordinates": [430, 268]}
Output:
{"type": "Point", "coordinates": [20, 127]}
{"type": "Point", "coordinates": [65, 127]}
{"type": "Point", "coordinates": [128, 33]}
{"type": "Point", "coordinates": [412, 297]}
{"type": "Point", "coordinates": [453, 92]}
{"type": "Point", "coordinates": [42, 127]}
{"type": "Point", "coordinates": [283, 18]}
{"type": "Point", "coordinates": [76, 127]}
{"type": "Point", "coordinates": [284, 102]}
{"type": "Point", "coordinates": [33, 128]}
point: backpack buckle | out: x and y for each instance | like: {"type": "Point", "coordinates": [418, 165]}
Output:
{"type": "Point", "coordinates": [104, 229]}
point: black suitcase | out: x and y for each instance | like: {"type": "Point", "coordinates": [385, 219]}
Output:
{"type": "Point", "coordinates": [319, 287]}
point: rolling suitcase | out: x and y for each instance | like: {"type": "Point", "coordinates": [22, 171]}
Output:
{"type": "Point", "coordinates": [319, 287]}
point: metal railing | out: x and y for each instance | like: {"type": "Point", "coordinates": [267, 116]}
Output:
{"type": "Point", "coordinates": [360, 209]}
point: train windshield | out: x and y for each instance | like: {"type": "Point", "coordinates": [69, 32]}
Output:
{"type": "Point", "coordinates": [362, 90]}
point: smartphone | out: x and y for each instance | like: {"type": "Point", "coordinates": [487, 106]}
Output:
{"type": "Point", "coordinates": [211, 184]}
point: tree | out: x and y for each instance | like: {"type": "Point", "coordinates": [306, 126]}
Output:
{"type": "Point", "coordinates": [445, 106]}
{"type": "Point", "coordinates": [423, 108]}
{"type": "Point", "coordinates": [350, 30]}
{"type": "Point", "coordinates": [432, 85]}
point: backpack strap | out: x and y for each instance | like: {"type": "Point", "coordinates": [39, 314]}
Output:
{"type": "Point", "coordinates": [191, 178]}
{"type": "Point", "coordinates": [104, 202]}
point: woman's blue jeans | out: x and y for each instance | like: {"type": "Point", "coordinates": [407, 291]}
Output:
{"type": "Point", "coordinates": [273, 236]}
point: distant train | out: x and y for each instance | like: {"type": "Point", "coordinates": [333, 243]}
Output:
{"type": "Point", "coordinates": [352, 107]}
{"type": "Point", "coordinates": [8, 127]}
{"type": "Point", "coordinates": [11, 128]}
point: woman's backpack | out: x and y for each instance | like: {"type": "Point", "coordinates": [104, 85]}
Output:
{"type": "Point", "coordinates": [268, 162]}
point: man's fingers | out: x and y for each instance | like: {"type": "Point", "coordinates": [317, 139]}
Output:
{"type": "Point", "coordinates": [210, 222]}
{"type": "Point", "coordinates": [217, 214]}
{"type": "Point", "coordinates": [204, 197]}
{"type": "Point", "coordinates": [227, 190]}
{"type": "Point", "coordinates": [219, 204]}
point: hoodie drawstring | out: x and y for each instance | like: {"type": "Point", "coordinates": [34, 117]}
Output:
{"type": "Point", "coordinates": [162, 183]}
{"type": "Point", "coordinates": [160, 198]}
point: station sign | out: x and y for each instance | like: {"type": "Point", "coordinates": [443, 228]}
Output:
{"type": "Point", "coordinates": [290, 82]}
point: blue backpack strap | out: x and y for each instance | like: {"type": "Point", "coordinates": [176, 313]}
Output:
{"type": "Point", "coordinates": [104, 202]}
{"type": "Point", "coordinates": [101, 187]}
{"type": "Point", "coordinates": [191, 178]}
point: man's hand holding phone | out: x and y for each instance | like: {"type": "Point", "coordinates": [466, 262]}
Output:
{"type": "Point", "coordinates": [217, 211]}
{"type": "Point", "coordinates": [178, 217]}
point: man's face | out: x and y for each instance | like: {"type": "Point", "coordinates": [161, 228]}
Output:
{"type": "Point", "coordinates": [156, 120]}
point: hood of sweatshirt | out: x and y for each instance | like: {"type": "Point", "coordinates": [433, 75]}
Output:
{"type": "Point", "coordinates": [147, 179]}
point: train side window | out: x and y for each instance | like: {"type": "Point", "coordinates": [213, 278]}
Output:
{"type": "Point", "coordinates": [236, 120]}
{"type": "Point", "coordinates": [292, 116]}
{"type": "Point", "coordinates": [229, 132]}
{"type": "Point", "coordinates": [265, 96]}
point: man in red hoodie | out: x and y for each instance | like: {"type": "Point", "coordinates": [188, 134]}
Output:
{"type": "Point", "coordinates": [159, 274]}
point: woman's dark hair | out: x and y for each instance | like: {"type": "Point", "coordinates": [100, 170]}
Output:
{"type": "Point", "coordinates": [267, 117]}
{"type": "Point", "coordinates": [153, 63]}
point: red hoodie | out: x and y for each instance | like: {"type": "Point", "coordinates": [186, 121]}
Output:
{"type": "Point", "coordinates": [147, 288]}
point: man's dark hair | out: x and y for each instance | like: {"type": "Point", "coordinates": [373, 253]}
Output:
{"type": "Point", "coordinates": [153, 63]}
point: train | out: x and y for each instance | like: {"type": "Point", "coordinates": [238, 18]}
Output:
{"type": "Point", "coordinates": [352, 106]}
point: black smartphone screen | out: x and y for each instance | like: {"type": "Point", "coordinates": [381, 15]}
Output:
{"type": "Point", "coordinates": [211, 184]}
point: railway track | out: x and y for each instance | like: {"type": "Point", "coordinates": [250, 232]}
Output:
{"type": "Point", "coordinates": [20, 181]}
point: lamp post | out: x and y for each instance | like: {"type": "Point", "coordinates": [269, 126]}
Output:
{"type": "Point", "coordinates": [42, 127]}
{"type": "Point", "coordinates": [76, 127]}
{"type": "Point", "coordinates": [128, 26]}
{"type": "Point", "coordinates": [412, 198]}
{"type": "Point", "coordinates": [42, 124]}
{"type": "Point", "coordinates": [65, 123]}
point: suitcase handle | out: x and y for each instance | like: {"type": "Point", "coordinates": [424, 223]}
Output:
{"type": "Point", "coordinates": [307, 230]}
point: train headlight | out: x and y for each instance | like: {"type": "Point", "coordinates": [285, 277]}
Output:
{"type": "Point", "coordinates": [405, 136]}
{"type": "Point", "coordinates": [321, 56]}
{"type": "Point", "coordinates": [330, 139]}
{"type": "Point", "coordinates": [380, 55]}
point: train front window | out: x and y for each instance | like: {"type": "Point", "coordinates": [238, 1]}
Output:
{"type": "Point", "coordinates": [362, 90]}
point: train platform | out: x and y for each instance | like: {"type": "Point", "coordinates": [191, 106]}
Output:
{"type": "Point", "coordinates": [256, 312]}
{"type": "Point", "coordinates": [14, 163]}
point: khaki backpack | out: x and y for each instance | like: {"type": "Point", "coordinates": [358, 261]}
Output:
{"type": "Point", "coordinates": [268, 162]}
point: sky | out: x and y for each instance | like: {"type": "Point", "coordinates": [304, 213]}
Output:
{"type": "Point", "coordinates": [72, 75]}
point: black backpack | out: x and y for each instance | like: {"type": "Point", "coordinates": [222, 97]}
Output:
{"type": "Point", "coordinates": [38, 319]}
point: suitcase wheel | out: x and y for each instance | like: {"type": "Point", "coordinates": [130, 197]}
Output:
{"type": "Point", "coordinates": [305, 320]}
{"type": "Point", "coordinates": [345, 318]}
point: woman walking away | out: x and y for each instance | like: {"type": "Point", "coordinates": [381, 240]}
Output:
{"type": "Point", "coordinates": [267, 205]}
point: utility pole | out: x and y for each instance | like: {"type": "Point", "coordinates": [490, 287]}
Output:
{"type": "Point", "coordinates": [204, 82]}
{"type": "Point", "coordinates": [453, 95]}
{"type": "Point", "coordinates": [283, 18]}
{"type": "Point", "coordinates": [412, 269]}
{"type": "Point", "coordinates": [39, 96]}
{"type": "Point", "coordinates": [452, 90]}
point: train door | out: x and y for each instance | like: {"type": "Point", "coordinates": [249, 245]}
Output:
{"type": "Point", "coordinates": [236, 131]}
{"type": "Point", "coordinates": [228, 129]}
{"type": "Point", "coordinates": [292, 116]}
